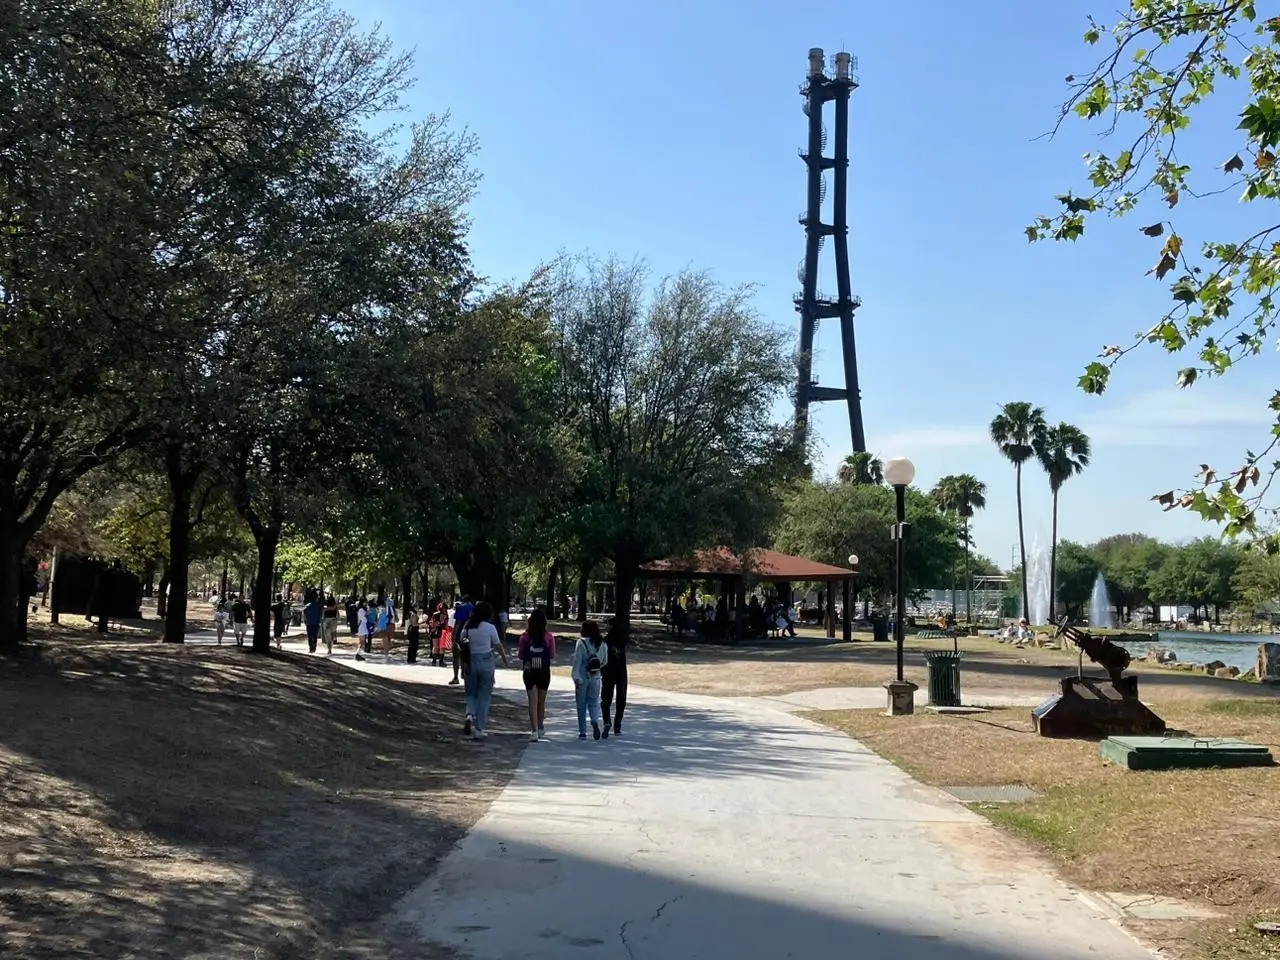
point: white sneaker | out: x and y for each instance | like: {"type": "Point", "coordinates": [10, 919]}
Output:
{"type": "Point", "coordinates": [542, 734]}
{"type": "Point", "coordinates": [533, 736]}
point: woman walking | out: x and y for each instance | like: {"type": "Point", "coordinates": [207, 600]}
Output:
{"type": "Point", "coordinates": [481, 639]}
{"type": "Point", "coordinates": [362, 630]}
{"type": "Point", "coordinates": [411, 634]}
{"type": "Point", "coordinates": [329, 624]}
{"type": "Point", "coordinates": [589, 657]}
{"type": "Point", "coordinates": [537, 649]}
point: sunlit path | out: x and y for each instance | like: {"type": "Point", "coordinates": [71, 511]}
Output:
{"type": "Point", "coordinates": [718, 828]}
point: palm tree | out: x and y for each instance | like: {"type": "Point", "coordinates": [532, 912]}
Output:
{"type": "Point", "coordinates": [1063, 451]}
{"type": "Point", "coordinates": [1016, 430]}
{"type": "Point", "coordinates": [961, 494]}
{"type": "Point", "coordinates": [863, 468]}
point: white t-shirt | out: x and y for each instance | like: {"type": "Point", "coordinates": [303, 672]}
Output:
{"type": "Point", "coordinates": [484, 637]}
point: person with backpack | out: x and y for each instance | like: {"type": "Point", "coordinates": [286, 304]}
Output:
{"type": "Point", "coordinates": [537, 649]}
{"type": "Point", "coordinates": [480, 637]}
{"type": "Point", "coordinates": [589, 657]}
{"type": "Point", "coordinates": [240, 614]}
{"type": "Point", "coordinates": [462, 613]}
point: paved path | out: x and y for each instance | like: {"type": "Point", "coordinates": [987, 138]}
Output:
{"type": "Point", "coordinates": [733, 829]}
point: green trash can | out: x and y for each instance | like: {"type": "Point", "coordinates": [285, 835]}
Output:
{"type": "Point", "coordinates": [944, 678]}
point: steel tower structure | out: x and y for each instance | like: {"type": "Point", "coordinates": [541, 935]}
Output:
{"type": "Point", "coordinates": [812, 304]}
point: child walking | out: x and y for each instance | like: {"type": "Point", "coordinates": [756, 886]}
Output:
{"type": "Point", "coordinates": [589, 657]}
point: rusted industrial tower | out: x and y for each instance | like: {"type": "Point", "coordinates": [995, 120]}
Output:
{"type": "Point", "coordinates": [813, 304]}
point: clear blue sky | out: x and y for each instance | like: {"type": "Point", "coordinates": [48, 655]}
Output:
{"type": "Point", "coordinates": [670, 130]}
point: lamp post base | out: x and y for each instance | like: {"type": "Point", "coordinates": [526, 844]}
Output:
{"type": "Point", "coordinates": [902, 698]}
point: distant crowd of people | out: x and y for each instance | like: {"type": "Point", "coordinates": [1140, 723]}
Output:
{"type": "Point", "coordinates": [469, 637]}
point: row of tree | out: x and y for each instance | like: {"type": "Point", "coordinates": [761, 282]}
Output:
{"type": "Point", "coordinates": [238, 319]}
{"type": "Point", "coordinates": [1142, 575]}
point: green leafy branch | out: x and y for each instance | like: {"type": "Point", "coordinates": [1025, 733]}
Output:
{"type": "Point", "coordinates": [1168, 58]}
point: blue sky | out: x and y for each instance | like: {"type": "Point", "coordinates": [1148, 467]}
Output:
{"type": "Point", "coordinates": [670, 130]}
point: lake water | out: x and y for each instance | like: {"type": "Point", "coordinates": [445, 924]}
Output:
{"type": "Point", "coordinates": [1233, 649]}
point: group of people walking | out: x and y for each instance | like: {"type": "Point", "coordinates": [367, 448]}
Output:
{"type": "Point", "coordinates": [473, 634]}
{"type": "Point", "coordinates": [598, 671]}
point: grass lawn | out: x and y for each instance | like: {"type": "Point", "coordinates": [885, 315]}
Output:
{"type": "Point", "coordinates": [661, 660]}
{"type": "Point", "coordinates": [1210, 836]}
{"type": "Point", "coordinates": [207, 802]}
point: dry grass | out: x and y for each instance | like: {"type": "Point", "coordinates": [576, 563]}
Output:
{"type": "Point", "coordinates": [781, 667]}
{"type": "Point", "coordinates": [1202, 835]}
{"type": "Point", "coordinates": [206, 802]}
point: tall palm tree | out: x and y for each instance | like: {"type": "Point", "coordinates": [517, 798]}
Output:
{"type": "Point", "coordinates": [864, 468]}
{"type": "Point", "coordinates": [1016, 430]}
{"type": "Point", "coordinates": [1063, 451]}
{"type": "Point", "coordinates": [961, 494]}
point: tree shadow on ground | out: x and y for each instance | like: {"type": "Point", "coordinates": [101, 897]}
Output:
{"type": "Point", "coordinates": [164, 801]}
{"type": "Point", "coordinates": [196, 801]}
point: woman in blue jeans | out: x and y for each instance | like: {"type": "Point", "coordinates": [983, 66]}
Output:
{"type": "Point", "coordinates": [481, 638]}
{"type": "Point", "coordinates": [589, 657]}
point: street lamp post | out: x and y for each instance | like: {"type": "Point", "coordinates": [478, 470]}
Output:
{"type": "Point", "coordinates": [850, 598]}
{"type": "Point", "coordinates": [899, 472]}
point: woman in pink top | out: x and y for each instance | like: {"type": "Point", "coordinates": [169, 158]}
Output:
{"type": "Point", "coordinates": [537, 648]}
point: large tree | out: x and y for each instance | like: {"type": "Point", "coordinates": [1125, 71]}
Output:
{"type": "Point", "coordinates": [828, 521]}
{"type": "Point", "coordinates": [82, 205]}
{"type": "Point", "coordinates": [673, 390]}
{"type": "Point", "coordinates": [1063, 452]}
{"type": "Point", "coordinates": [1162, 63]}
{"type": "Point", "coordinates": [1016, 430]}
{"type": "Point", "coordinates": [1129, 560]}
{"type": "Point", "coordinates": [961, 494]}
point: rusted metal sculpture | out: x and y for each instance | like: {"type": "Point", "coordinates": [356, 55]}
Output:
{"type": "Point", "coordinates": [1096, 706]}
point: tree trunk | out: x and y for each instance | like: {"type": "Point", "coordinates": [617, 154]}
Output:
{"type": "Point", "coordinates": [1053, 562]}
{"type": "Point", "coordinates": [624, 584]}
{"type": "Point", "coordinates": [162, 594]}
{"type": "Point", "coordinates": [267, 539]}
{"type": "Point", "coordinates": [582, 596]}
{"type": "Point", "coordinates": [1022, 545]}
{"type": "Point", "coordinates": [13, 605]}
{"type": "Point", "coordinates": [181, 484]}
{"type": "Point", "coordinates": [968, 577]}
{"type": "Point", "coordinates": [552, 577]}
{"type": "Point", "coordinates": [406, 583]}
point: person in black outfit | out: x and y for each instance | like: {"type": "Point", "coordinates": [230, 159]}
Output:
{"type": "Point", "coordinates": [412, 633]}
{"type": "Point", "coordinates": [614, 680]}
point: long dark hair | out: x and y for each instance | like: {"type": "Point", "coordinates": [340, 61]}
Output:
{"type": "Point", "coordinates": [537, 624]}
{"type": "Point", "coordinates": [482, 614]}
{"type": "Point", "coordinates": [591, 631]}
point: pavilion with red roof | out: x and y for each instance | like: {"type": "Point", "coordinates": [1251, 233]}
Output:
{"type": "Point", "coordinates": [760, 565]}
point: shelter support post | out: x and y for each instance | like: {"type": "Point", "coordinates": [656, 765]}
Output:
{"type": "Point", "coordinates": [848, 611]}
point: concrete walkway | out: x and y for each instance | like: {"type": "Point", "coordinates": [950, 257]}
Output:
{"type": "Point", "coordinates": [733, 829]}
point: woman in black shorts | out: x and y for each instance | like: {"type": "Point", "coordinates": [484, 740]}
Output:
{"type": "Point", "coordinates": [537, 649]}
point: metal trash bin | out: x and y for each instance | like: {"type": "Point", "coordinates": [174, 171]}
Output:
{"type": "Point", "coordinates": [944, 678]}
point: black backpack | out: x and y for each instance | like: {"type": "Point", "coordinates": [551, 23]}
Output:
{"type": "Point", "coordinates": [535, 654]}
{"type": "Point", "coordinates": [593, 662]}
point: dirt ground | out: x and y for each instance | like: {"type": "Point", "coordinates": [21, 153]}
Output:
{"type": "Point", "coordinates": [1207, 836]}
{"type": "Point", "coordinates": [203, 802]}
{"type": "Point", "coordinates": [660, 660]}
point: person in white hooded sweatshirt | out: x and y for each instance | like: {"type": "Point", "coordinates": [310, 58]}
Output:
{"type": "Point", "coordinates": [589, 657]}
